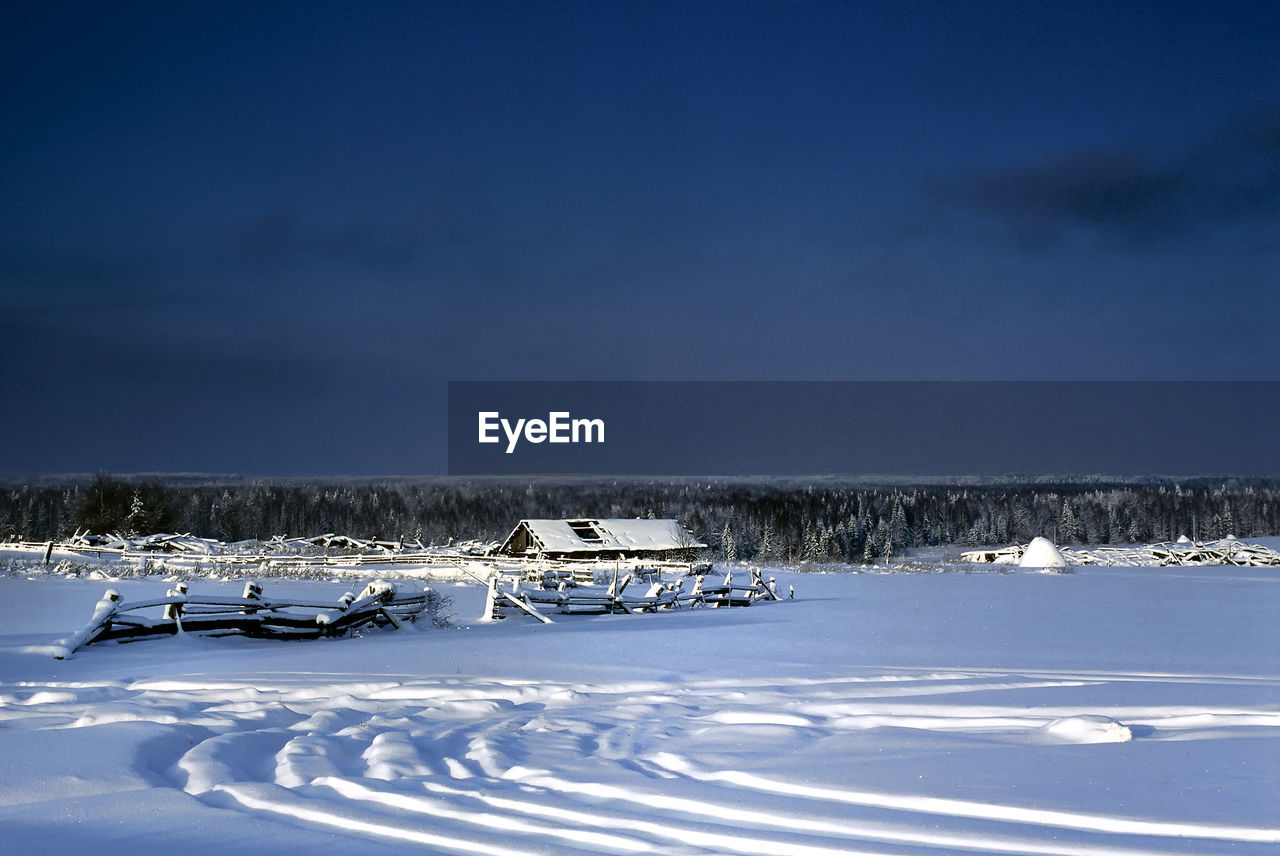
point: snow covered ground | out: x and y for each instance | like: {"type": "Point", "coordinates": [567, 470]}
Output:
{"type": "Point", "coordinates": [1003, 711]}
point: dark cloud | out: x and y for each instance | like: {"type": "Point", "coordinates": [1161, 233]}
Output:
{"type": "Point", "coordinates": [391, 240]}
{"type": "Point", "coordinates": [1232, 178]}
{"type": "Point", "coordinates": [285, 239]}
{"type": "Point", "coordinates": [78, 280]}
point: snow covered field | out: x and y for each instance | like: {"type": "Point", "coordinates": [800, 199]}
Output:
{"type": "Point", "coordinates": [1004, 711]}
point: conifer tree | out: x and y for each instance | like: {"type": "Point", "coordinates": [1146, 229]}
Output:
{"type": "Point", "coordinates": [768, 549]}
{"type": "Point", "coordinates": [728, 544]}
{"type": "Point", "coordinates": [1068, 525]}
{"type": "Point", "coordinates": [136, 522]}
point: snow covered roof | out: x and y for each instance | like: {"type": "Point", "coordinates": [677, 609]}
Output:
{"type": "Point", "coordinates": [591, 535]}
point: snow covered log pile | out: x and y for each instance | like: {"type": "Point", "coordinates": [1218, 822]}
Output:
{"type": "Point", "coordinates": [158, 543]}
{"type": "Point", "coordinates": [1226, 551]}
{"type": "Point", "coordinates": [251, 614]}
{"type": "Point", "coordinates": [188, 543]}
{"type": "Point", "coordinates": [569, 598]}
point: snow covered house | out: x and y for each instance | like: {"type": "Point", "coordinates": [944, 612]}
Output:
{"type": "Point", "coordinates": [600, 539]}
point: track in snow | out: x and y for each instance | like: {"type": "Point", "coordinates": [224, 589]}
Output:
{"type": "Point", "coordinates": [768, 766]}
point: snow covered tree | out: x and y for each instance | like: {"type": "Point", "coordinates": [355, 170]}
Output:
{"type": "Point", "coordinates": [1021, 529]}
{"type": "Point", "coordinates": [136, 522]}
{"type": "Point", "coordinates": [1113, 525]}
{"type": "Point", "coordinates": [1069, 531]}
{"type": "Point", "coordinates": [1228, 522]}
{"type": "Point", "coordinates": [824, 543]}
{"type": "Point", "coordinates": [768, 549]}
{"type": "Point", "coordinates": [728, 544]}
{"type": "Point", "coordinates": [898, 530]}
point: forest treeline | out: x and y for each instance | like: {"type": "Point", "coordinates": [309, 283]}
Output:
{"type": "Point", "coordinates": [787, 521]}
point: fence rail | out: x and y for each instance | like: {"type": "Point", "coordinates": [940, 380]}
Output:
{"type": "Point", "coordinates": [251, 614]}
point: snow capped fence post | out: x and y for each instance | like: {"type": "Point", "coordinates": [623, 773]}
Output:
{"type": "Point", "coordinates": [491, 599]}
{"type": "Point", "coordinates": [252, 591]}
{"type": "Point", "coordinates": [173, 610]}
{"type": "Point", "coordinates": [102, 615]}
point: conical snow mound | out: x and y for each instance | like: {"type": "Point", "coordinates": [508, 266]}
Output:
{"type": "Point", "coordinates": [1041, 553]}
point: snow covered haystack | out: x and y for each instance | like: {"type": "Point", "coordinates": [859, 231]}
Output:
{"type": "Point", "coordinates": [1041, 553]}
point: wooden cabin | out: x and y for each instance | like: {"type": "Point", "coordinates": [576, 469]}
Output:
{"type": "Point", "coordinates": [590, 538]}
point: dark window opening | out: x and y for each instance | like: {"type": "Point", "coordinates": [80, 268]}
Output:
{"type": "Point", "coordinates": [585, 530]}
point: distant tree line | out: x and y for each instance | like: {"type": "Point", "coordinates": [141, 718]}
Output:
{"type": "Point", "coordinates": [786, 521]}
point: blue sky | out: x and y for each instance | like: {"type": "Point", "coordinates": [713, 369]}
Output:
{"type": "Point", "coordinates": [261, 238]}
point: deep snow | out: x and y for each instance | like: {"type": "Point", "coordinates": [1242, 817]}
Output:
{"type": "Point", "coordinates": [1102, 711]}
